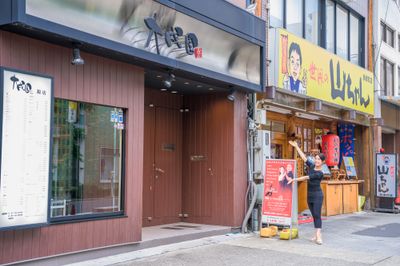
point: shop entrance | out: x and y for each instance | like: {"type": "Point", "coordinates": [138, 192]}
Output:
{"type": "Point", "coordinates": [162, 171]}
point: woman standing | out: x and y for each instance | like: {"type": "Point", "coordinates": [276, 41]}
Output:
{"type": "Point", "coordinates": [315, 196]}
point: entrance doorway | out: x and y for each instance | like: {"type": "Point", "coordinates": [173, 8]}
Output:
{"type": "Point", "coordinates": [162, 181]}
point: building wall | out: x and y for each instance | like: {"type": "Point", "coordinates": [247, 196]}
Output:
{"type": "Point", "coordinates": [100, 81]}
{"type": "Point", "coordinates": [388, 12]}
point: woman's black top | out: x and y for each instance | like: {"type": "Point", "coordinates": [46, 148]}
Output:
{"type": "Point", "coordinates": [316, 176]}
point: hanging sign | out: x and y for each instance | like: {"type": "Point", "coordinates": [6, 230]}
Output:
{"type": "Point", "coordinates": [386, 175]}
{"type": "Point", "coordinates": [278, 194]}
{"type": "Point", "coordinates": [25, 148]}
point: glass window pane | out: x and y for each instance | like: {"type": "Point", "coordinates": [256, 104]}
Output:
{"type": "Point", "coordinates": [277, 13]}
{"type": "Point", "coordinates": [398, 81]}
{"type": "Point", "coordinates": [383, 32]}
{"type": "Point", "coordinates": [294, 17]}
{"type": "Point", "coordinates": [86, 160]}
{"type": "Point", "coordinates": [278, 127]}
{"type": "Point", "coordinates": [330, 26]}
{"type": "Point", "coordinates": [382, 79]}
{"type": "Point", "coordinates": [342, 32]}
{"type": "Point", "coordinates": [389, 36]}
{"type": "Point", "coordinates": [312, 24]}
{"type": "Point", "coordinates": [354, 40]}
{"type": "Point", "coordinates": [390, 76]}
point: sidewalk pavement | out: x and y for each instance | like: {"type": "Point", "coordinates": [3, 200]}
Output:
{"type": "Point", "coordinates": [365, 238]}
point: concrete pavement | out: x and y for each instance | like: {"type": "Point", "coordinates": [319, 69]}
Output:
{"type": "Point", "coordinates": [365, 238]}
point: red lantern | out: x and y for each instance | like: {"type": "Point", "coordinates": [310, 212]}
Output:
{"type": "Point", "coordinates": [331, 149]}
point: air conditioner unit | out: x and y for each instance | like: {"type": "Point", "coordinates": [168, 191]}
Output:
{"type": "Point", "coordinates": [262, 152]}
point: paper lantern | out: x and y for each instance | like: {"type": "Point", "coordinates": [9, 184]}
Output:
{"type": "Point", "coordinates": [331, 149]}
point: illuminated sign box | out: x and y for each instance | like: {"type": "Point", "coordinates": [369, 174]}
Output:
{"type": "Point", "coordinates": [26, 104]}
{"type": "Point", "coordinates": [304, 68]}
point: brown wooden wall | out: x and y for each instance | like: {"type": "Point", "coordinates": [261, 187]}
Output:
{"type": "Point", "coordinates": [214, 188]}
{"type": "Point", "coordinates": [100, 81]}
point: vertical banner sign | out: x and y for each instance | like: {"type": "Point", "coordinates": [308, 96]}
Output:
{"type": "Point", "coordinates": [386, 175]}
{"type": "Point", "coordinates": [25, 149]}
{"type": "Point", "coordinates": [278, 194]}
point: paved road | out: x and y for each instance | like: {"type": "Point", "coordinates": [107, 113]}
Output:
{"type": "Point", "coordinates": [357, 239]}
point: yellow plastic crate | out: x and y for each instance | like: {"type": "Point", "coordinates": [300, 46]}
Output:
{"type": "Point", "coordinates": [269, 231]}
{"type": "Point", "coordinates": [285, 234]}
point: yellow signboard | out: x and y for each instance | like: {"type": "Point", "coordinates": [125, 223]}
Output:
{"type": "Point", "coordinates": [308, 69]}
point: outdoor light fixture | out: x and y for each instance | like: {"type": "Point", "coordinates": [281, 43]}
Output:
{"type": "Point", "coordinates": [76, 57]}
{"type": "Point", "coordinates": [231, 95]}
{"type": "Point", "coordinates": [168, 82]}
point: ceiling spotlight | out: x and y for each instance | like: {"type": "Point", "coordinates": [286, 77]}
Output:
{"type": "Point", "coordinates": [199, 86]}
{"type": "Point", "coordinates": [231, 95]}
{"type": "Point", "coordinates": [168, 82]}
{"type": "Point", "coordinates": [76, 57]}
{"type": "Point", "coordinates": [163, 89]}
{"type": "Point", "coordinates": [210, 89]}
{"type": "Point", "coordinates": [186, 83]}
{"type": "Point", "coordinates": [174, 92]}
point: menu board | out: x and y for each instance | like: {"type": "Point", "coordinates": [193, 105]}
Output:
{"type": "Point", "coordinates": [349, 166]}
{"type": "Point", "coordinates": [25, 149]}
{"type": "Point", "coordinates": [386, 175]}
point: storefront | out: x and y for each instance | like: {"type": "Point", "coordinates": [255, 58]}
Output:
{"type": "Point", "coordinates": [311, 93]}
{"type": "Point", "coordinates": [146, 126]}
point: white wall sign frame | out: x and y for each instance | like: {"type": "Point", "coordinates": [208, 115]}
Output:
{"type": "Point", "coordinates": [26, 104]}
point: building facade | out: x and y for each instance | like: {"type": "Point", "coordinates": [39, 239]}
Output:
{"type": "Point", "coordinates": [136, 115]}
{"type": "Point", "coordinates": [386, 47]}
{"type": "Point", "coordinates": [318, 82]}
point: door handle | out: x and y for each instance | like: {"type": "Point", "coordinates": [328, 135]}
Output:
{"type": "Point", "coordinates": [211, 171]}
{"type": "Point", "coordinates": [159, 170]}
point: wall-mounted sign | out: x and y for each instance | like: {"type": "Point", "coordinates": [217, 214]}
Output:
{"type": "Point", "coordinates": [156, 28]}
{"type": "Point", "coordinates": [304, 68]}
{"type": "Point", "coordinates": [277, 207]}
{"type": "Point", "coordinates": [25, 148]}
{"type": "Point", "coordinates": [386, 175]}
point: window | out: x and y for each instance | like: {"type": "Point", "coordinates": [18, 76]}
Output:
{"type": "Point", "coordinates": [387, 34]}
{"type": "Point", "coordinates": [327, 23]}
{"type": "Point", "coordinates": [294, 16]}
{"type": "Point", "coordinates": [342, 32]}
{"type": "Point", "coordinates": [330, 26]}
{"type": "Point", "coordinates": [276, 17]}
{"type": "Point", "coordinates": [86, 160]}
{"type": "Point", "coordinates": [354, 40]}
{"type": "Point", "coordinates": [398, 80]}
{"type": "Point", "coordinates": [386, 77]}
{"type": "Point", "coordinates": [398, 42]}
{"type": "Point", "coordinates": [311, 21]}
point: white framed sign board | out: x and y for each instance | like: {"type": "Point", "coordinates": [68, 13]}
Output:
{"type": "Point", "coordinates": [26, 103]}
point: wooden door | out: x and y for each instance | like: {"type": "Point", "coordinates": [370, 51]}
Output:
{"type": "Point", "coordinates": [168, 165]}
{"type": "Point", "coordinates": [162, 185]}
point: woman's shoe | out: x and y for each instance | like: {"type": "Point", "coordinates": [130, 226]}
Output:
{"type": "Point", "coordinates": [318, 241]}
{"type": "Point", "coordinates": [314, 239]}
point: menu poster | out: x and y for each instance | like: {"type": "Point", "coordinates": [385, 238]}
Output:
{"type": "Point", "coordinates": [26, 104]}
{"type": "Point", "coordinates": [277, 206]}
{"type": "Point", "coordinates": [349, 166]}
{"type": "Point", "coordinates": [386, 175]}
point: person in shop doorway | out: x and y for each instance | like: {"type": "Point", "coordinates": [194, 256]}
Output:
{"type": "Point", "coordinates": [315, 196]}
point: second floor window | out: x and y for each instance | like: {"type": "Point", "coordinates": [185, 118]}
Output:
{"type": "Point", "coordinates": [386, 77]}
{"type": "Point", "coordinates": [327, 23]}
{"type": "Point", "coordinates": [387, 34]}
